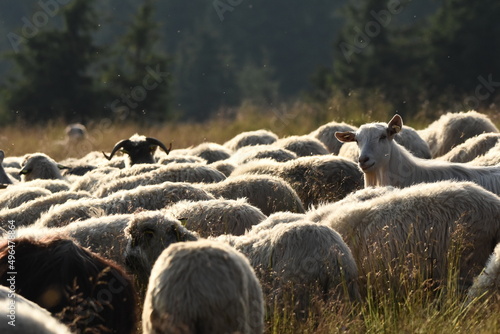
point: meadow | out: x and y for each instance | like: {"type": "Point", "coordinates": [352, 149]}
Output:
{"type": "Point", "coordinates": [424, 308]}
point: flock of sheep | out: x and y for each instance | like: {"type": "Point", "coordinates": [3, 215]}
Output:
{"type": "Point", "coordinates": [210, 239]}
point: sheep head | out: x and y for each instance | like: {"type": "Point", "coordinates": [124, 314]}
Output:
{"type": "Point", "coordinates": [40, 166]}
{"type": "Point", "coordinates": [140, 149]}
{"type": "Point", "coordinates": [148, 234]}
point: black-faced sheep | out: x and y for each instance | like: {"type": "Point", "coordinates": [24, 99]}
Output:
{"type": "Point", "coordinates": [140, 149]}
{"type": "Point", "coordinates": [453, 129]}
{"type": "Point", "coordinates": [385, 162]}
{"type": "Point", "coordinates": [203, 286]}
{"type": "Point", "coordinates": [216, 217]}
{"type": "Point", "coordinates": [82, 289]}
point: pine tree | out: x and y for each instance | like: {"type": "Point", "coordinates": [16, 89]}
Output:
{"type": "Point", "coordinates": [53, 78]}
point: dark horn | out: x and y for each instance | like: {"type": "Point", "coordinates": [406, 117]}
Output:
{"type": "Point", "coordinates": [156, 142]}
{"type": "Point", "coordinates": [118, 146]}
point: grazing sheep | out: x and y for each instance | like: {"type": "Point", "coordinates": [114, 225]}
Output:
{"type": "Point", "coordinates": [24, 316]}
{"type": "Point", "coordinates": [251, 138]}
{"type": "Point", "coordinates": [180, 159]}
{"type": "Point", "coordinates": [93, 179]}
{"type": "Point", "coordinates": [315, 179]}
{"type": "Point", "coordinates": [153, 197]}
{"type": "Point", "coordinates": [453, 129]}
{"type": "Point", "coordinates": [87, 292]}
{"type": "Point", "coordinates": [490, 158]}
{"type": "Point", "coordinates": [385, 162]}
{"type": "Point", "coordinates": [326, 134]}
{"type": "Point", "coordinates": [275, 219]}
{"type": "Point", "coordinates": [140, 149]}
{"type": "Point", "coordinates": [268, 193]}
{"type": "Point", "coordinates": [192, 173]}
{"type": "Point", "coordinates": [40, 166]}
{"type": "Point", "coordinates": [411, 232]}
{"type": "Point", "coordinates": [203, 286]}
{"type": "Point", "coordinates": [303, 146]}
{"type": "Point", "coordinates": [224, 166]}
{"type": "Point", "coordinates": [4, 178]}
{"type": "Point", "coordinates": [53, 186]}
{"type": "Point", "coordinates": [147, 235]}
{"type": "Point", "coordinates": [249, 153]}
{"type": "Point", "coordinates": [15, 196]}
{"type": "Point", "coordinates": [102, 235]}
{"type": "Point", "coordinates": [407, 137]}
{"type": "Point", "coordinates": [472, 148]}
{"type": "Point", "coordinates": [303, 260]}
{"type": "Point", "coordinates": [210, 152]}
{"type": "Point", "coordinates": [488, 282]}
{"type": "Point", "coordinates": [28, 212]}
{"type": "Point", "coordinates": [216, 217]}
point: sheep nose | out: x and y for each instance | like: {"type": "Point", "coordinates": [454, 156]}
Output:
{"type": "Point", "coordinates": [363, 159]}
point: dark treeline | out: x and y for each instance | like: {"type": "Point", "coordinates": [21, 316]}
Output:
{"type": "Point", "coordinates": [159, 60]}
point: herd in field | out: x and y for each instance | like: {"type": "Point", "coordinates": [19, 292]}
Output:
{"type": "Point", "coordinates": [217, 237]}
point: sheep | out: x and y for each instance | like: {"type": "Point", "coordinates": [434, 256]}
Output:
{"type": "Point", "coordinates": [210, 152]}
{"type": "Point", "coordinates": [15, 196]}
{"type": "Point", "coordinates": [192, 173]}
{"type": "Point", "coordinates": [93, 179]}
{"type": "Point", "coordinates": [54, 186]}
{"type": "Point", "coordinates": [86, 291]}
{"type": "Point", "coordinates": [275, 219]}
{"type": "Point", "coordinates": [102, 235]}
{"type": "Point", "coordinates": [139, 149]}
{"type": "Point", "coordinates": [490, 158]}
{"type": "Point", "coordinates": [147, 235]}
{"type": "Point", "coordinates": [249, 153]}
{"type": "Point", "coordinates": [268, 193]}
{"type": "Point", "coordinates": [28, 212]}
{"type": "Point", "coordinates": [326, 134]}
{"type": "Point", "coordinates": [302, 260]}
{"type": "Point", "coordinates": [303, 146]}
{"type": "Point", "coordinates": [315, 179]}
{"type": "Point", "coordinates": [411, 231]}
{"type": "Point", "coordinates": [472, 148]}
{"type": "Point", "coordinates": [4, 178]}
{"type": "Point", "coordinates": [75, 132]}
{"type": "Point", "coordinates": [224, 166]}
{"type": "Point", "coordinates": [216, 217]}
{"type": "Point", "coordinates": [170, 159]}
{"type": "Point", "coordinates": [24, 316]}
{"type": "Point", "coordinates": [488, 282]}
{"type": "Point", "coordinates": [203, 286]}
{"type": "Point", "coordinates": [251, 138]}
{"type": "Point", "coordinates": [453, 129]}
{"type": "Point", "coordinates": [153, 197]}
{"type": "Point", "coordinates": [385, 162]}
{"type": "Point", "coordinates": [40, 166]}
{"type": "Point", "coordinates": [407, 137]}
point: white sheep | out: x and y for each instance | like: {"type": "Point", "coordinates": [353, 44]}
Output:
{"type": "Point", "coordinates": [224, 166]}
{"type": "Point", "coordinates": [28, 212]}
{"type": "Point", "coordinates": [453, 129]}
{"type": "Point", "coordinates": [147, 235]}
{"type": "Point", "coordinates": [53, 186]}
{"type": "Point", "coordinates": [203, 286]}
{"type": "Point", "coordinates": [490, 158]}
{"type": "Point", "coordinates": [256, 152]}
{"type": "Point", "coordinates": [21, 315]}
{"type": "Point", "coordinates": [153, 197]}
{"type": "Point", "coordinates": [191, 173]}
{"type": "Point", "coordinates": [385, 162]}
{"type": "Point", "coordinates": [251, 138]}
{"type": "Point", "coordinates": [268, 193]}
{"type": "Point", "coordinates": [315, 179]}
{"type": "Point", "coordinates": [216, 217]}
{"type": "Point", "coordinates": [407, 137]}
{"type": "Point", "coordinates": [326, 134]}
{"type": "Point", "coordinates": [301, 259]}
{"type": "Point", "coordinates": [472, 148]}
{"type": "Point", "coordinates": [303, 146]}
{"type": "Point", "coordinates": [488, 282]}
{"type": "Point", "coordinates": [411, 232]}
{"type": "Point", "coordinates": [210, 152]}
{"type": "Point", "coordinates": [180, 159]}
{"type": "Point", "coordinates": [40, 166]}
{"type": "Point", "coordinates": [15, 196]}
{"type": "Point", "coordinates": [102, 235]}
{"type": "Point", "coordinates": [275, 219]}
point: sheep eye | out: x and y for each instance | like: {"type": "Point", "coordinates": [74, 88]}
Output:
{"type": "Point", "coordinates": [149, 234]}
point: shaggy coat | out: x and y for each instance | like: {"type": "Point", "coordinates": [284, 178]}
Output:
{"type": "Point", "coordinates": [216, 217]}
{"type": "Point", "coordinates": [40, 166]}
{"type": "Point", "coordinates": [303, 146]}
{"type": "Point", "coordinates": [472, 148]}
{"type": "Point", "coordinates": [413, 230]}
{"type": "Point", "coordinates": [203, 287]}
{"type": "Point", "coordinates": [251, 138]}
{"type": "Point", "coordinates": [488, 282]}
{"type": "Point", "coordinates": [250, 153]}
{"type": "Point", "coordinates": [452, 129]}
{"type": "Point", "coordinates": [386, 163]}
{"type": "Point", "coordinates": [83, 289]}
{"type": "Point", "coordinates": [15, 195]}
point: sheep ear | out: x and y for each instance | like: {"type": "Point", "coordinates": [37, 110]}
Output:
{"type": "Point", "coordinates": [62, 166]}
{"type": "Point", "coordinates": [395, 125]}
{"type": "Point", "coordinates": [345, 137]}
